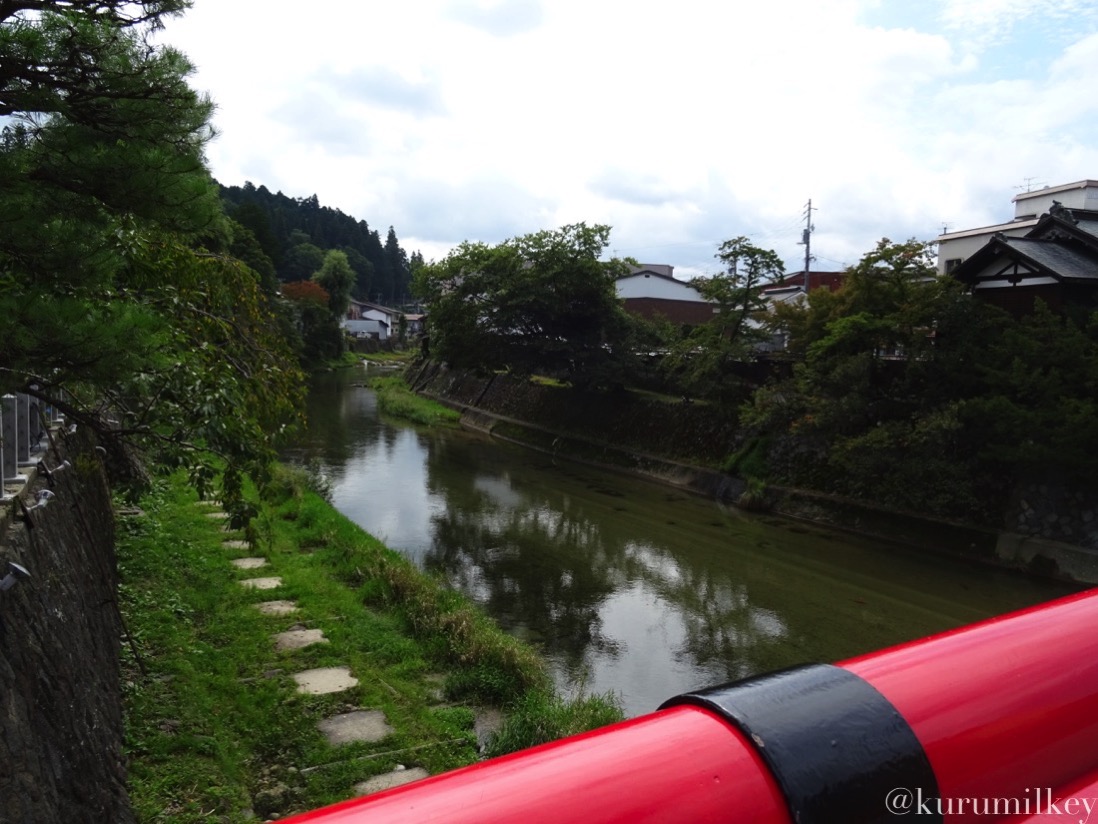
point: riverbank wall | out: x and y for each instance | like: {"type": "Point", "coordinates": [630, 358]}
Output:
{"type": "Point", "coordinates": [675, 443]}
{"type": "Point", "coordinates": [61, 729]}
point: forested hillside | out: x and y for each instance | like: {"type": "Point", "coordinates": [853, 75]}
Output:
{"type": "Point", "coordinates": [295, 233]}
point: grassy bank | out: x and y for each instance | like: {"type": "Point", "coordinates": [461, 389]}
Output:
{"type": "Point", "coordinates": [216, 729]}
{"type": "Point", "coordinates": [395, 398]}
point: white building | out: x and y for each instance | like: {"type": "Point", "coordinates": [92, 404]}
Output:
{"type": "Point", "coordinates": [371, 320]}
{"type": "Point", "coordinates": [651, 290]}
{"type": "Point", "coordinates": [954, 247]}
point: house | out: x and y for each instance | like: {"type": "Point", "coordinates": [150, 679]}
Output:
{"type": "Point", "coordinates": [791, 286]}
{"type": "Point", "coordinates": [371, 320]}
{"type": "Point", "coordinates": [416, 324]}
{"type": "Point", "coordinates": [651, 291]}
{"type": "Point", "coordinates": [1056, 261]}
{"type": "Point", "coordinates": [956, 247]}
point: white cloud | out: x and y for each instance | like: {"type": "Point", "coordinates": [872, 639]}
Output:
{"type": "Point", "coordinates": [680, 125]}
{"type": "Point", "coordinates": [502, 18]}
{"type": "Point", "coordinates": [996, 15]}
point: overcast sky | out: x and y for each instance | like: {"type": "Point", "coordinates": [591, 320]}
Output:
{"type": "Point", "coordinates": [680, 124]}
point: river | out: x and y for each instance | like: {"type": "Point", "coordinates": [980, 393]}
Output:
{"type": "Point", "coordinates": [625, 585]}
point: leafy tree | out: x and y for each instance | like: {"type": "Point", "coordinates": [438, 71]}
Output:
{"type": "Point", "coordinates": [1037, 408]}
{"type": "Point", "coordinates": [364, 272]}
{"type": "Point", "coordinates": [104, 145]}
{"type": "Point", "coordinates": [709, 360]}
{"type": "Point", "coordinates": [251, 216]}
{"type": "Point", "coordinates": [543, 302]}
{"type": "Point", "coordinates": [316, 329]}
{"type": "Point", "coordinates": [301, 261]}
{"type": "Point", "coordinates": [222, 380]}
{"type": "Point", "coordinates": [306, 291]}
{"type": "Point", "coordinates": [398, 269]}
{"type": "Point", "coordinates": [121, 303]}
{"type": "Point", "coordinates": [337, 278]}
{"type": "Point", "coordinates": [876, 408]}
{"type": "Point", "coordinates": [244, 246]}
{"type": "Point", "coordinates": [875, 349]}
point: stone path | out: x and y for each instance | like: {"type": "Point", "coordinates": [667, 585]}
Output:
{"type": "Point", "coordinates": [325, 680]}
{"type": "Point", "coordinates": [249, 563]}
{"type": "Point", "coordinates": [390, 780]}
{"type": "Point", "coordinates": [362, 725]}
{"type": "Point", "coordinates": [261, 583]}
{"type": "Point", "coordinates": [276, 607]}
{"type": "Point", "coordinates": [298, 639]}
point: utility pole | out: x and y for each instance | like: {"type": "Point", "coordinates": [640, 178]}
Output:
{"type": "Point", "coordinates": [806, 241]}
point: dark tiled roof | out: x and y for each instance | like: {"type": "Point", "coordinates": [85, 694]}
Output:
{"type": "Point", "coordinates": [1070, 262]}
{"type": "Point", "coordinates": [660, 270]}
{"type": "Point", "coordinates": [1088, 226]}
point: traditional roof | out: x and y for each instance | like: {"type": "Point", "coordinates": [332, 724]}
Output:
{"type": "Point", "coordinates": [375, 306]}
{"type": "Point", "coordinates": [1061, 248]}
{"type": "Point", "coordinates": [660, 270]}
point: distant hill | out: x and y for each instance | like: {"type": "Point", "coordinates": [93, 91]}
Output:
{"type": "Point", "coordinates": [296, 232]}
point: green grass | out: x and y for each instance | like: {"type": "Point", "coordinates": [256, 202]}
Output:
{"type": "Point", "coordinates": [350, 358]}
{"type": "Point", "coordinates": [215, 729]}
{"type": "Point", "coordinates": [346, 359]}
{"type": "Point", "coordinates": [540, 717]}
{"type": "Point", "coordinates": [544, 380]}
{"type": "Point", "coordinates": [406, 356]}
{"type": "Point", "coordinates": [396, 399]}
{"type": "Point", "coordinates": [750, 460]}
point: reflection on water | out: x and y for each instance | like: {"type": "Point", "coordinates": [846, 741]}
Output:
{"type": "Point", "coordinates": [625, 585]}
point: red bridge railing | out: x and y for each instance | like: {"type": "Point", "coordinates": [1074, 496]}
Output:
{"type": "Point", "coordinates": [997, 721]}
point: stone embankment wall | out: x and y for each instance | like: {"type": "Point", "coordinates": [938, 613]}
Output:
{"type": "Point", "coordinates": [1048, 529]}
{"type": "Point", "coordinates": [61, 731]}
{"type": "Point", "coordinates": [649, 426]}
{"type": "Point", "coordinates": [1057, 511]}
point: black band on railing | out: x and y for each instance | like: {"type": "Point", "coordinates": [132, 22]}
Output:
{"type": "Point", "coordinates": [837, 748]}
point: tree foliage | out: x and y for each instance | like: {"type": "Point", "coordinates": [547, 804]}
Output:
{"type": "Point", "coordinates": [709, 360]}
{"type": "Point", "coordinates": [336, 277]}
{"type": "Point", "coordinates": [913, 393]}
{"type": "Point", "coordinates": [282, 224]}
{"type": "Point", "coordinates": [1037, 407]}
{"type": "Point", "coordinates": [542, 302]}
{"type": "Point", "coordinates": [306, 291]}
{"type": "Point", "coordinates": [122, 302]}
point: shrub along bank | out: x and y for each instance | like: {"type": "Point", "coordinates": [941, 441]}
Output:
{"type": "Point", "coordinates": [215, 725]}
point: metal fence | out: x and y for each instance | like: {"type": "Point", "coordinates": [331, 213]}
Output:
{"type": "Point", "coordinates": [24, 421]}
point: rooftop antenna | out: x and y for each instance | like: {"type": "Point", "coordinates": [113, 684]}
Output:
{"type": "Point", "coordinates": [1029, 184]}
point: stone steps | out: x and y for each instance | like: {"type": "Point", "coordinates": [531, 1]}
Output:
{"type": "Point", "coordinates": [361, 725]}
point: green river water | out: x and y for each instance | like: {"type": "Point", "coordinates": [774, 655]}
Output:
{"type": "Point", "coordinates": [626, 585]}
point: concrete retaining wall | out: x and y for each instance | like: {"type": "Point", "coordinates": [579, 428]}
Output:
{"type": "Point", "coordinates": [61, 732]}
{"type": "Point", "coordinates": [639, 436]}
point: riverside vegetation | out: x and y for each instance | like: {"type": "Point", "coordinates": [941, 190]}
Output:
{"type": "Point", "coordinates": [901, 388]}
{"type": "Point", "coordinates": [395, 397]}
{"type": "Point", "coordinates": [214, 725]}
